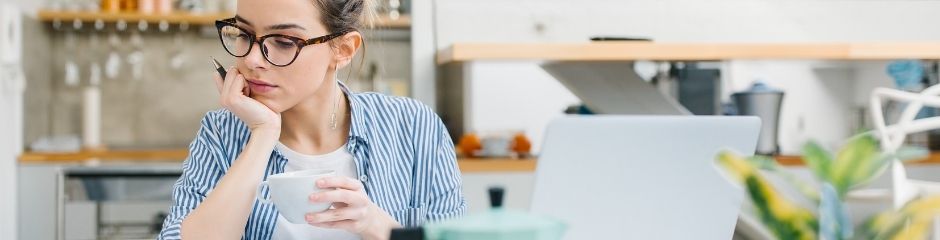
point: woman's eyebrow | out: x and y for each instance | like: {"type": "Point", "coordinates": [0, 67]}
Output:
{"type": "Point", "coordinates": [281, 26]}
{"type": "Point", "coordinates": [242, 20]}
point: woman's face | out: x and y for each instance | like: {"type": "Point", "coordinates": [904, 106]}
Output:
{"type": "Point", "coordinates": [281, 88]}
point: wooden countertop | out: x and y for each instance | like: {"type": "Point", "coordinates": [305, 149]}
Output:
{"type": "Point", "coordinates": [794, 161]}
{"type": "Point", "coordinates": [150, 155]}
{"type": "Point", "coordinates": [628, 51]}
{"type": "Point", "coordinates": [178, 155]}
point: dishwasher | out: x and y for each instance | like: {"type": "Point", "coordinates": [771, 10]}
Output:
{"type": "Point", "coordinates": [114, 202]}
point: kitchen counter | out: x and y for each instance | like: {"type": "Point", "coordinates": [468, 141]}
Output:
{"type": "Point", "coordinates": [153, 155]}
{"type": "Point", "coordinates": [177, 155]}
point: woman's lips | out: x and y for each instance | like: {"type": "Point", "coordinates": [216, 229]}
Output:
{"type": "Point", "coordinates": [260, 86]}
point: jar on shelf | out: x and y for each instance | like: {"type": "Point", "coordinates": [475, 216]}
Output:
{"type": "Point", "coordinates": [129, 5]}
{"type": "Point", "coordinates": [111, 6]}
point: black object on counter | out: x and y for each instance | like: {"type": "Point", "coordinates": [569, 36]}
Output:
{"type": "Point", "coordinates": [415, 233]}
{"type": "Point", "coordinates": [496, 197]}
{"type": "Point", "coordinates": [620, 38]}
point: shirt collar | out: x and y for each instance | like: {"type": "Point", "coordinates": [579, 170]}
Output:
{"type": "Point", "coordinates": [358, 127]}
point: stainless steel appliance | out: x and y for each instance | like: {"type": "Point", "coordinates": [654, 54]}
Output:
{"type": "Point", "coordinates": [764, 102]}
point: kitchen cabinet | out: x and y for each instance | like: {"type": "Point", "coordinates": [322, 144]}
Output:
{"type": "Point", "coordinates": [57, 204]}
{"type": "Point", "coordinates": [71, 201]}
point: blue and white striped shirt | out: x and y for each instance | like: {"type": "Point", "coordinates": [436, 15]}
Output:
{"type": "Point", "coordinates": [404, 156]}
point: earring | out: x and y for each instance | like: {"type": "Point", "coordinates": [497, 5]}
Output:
{"type": "Point", "coordinates": [335, 99]}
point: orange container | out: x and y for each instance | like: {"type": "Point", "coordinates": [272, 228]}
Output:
{"type": "Point", "coordinates": [129, 5]}
{"type": "Point", "coordinates": [111, 6]}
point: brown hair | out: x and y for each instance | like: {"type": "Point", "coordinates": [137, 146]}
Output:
{"type": "Point", "coordinates": [347, 16]}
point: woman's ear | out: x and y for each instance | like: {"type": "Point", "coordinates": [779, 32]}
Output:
{"type": "Point", "coordinates": [346, 48]}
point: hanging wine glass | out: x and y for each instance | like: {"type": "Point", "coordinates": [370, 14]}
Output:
{"type": "Point", "coordinates": [113, 64]}
{"type": "Point", "coordinates": [71, 67]}
{"type": "Point", "coordinates": [178, 60]}
{"type": "Point", "coordinates": [94, 46]}
{"type": "Point", "coordinates": [136, 57]}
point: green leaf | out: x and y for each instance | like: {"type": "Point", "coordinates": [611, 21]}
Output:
{"type": "Point", "coordinates": [763, 162]}
{"type": "Point", "coordinates": [817, 159]}
{"type": "Point", "coordinates": [784, 218]}
{"type": "Point", "coordinates": [770, 165]}
{"type": "Point", "coordinates": [766, 200]}
{"type": "Point", "coordinates": [878, 167]}
{"type": "Point", "coordinates": [856, 158]}
{"type": "Point", "coordinates": [834, 221]}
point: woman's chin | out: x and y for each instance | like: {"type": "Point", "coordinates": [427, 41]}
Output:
{"type": "Point", "coordinates": [270, 103]}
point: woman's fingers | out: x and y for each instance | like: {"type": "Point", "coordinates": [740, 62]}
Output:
{"type": "Point", "coordinates": [334, 215]}
{"type": "Point", "coordinates": [351, 198]}
{"type": "Point", "coordinates": [238, 86]}
{"type": "Point", "coordinates": [218, 81]}
{"type": "Point", "coordinates": [226, 98]}
{"type": "Point", "coordinates": [348, 225]}
{"type": "Point", "coordinates": [339, 182]}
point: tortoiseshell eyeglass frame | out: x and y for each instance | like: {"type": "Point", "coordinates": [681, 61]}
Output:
{"type": "Point", "coordinates": [300, 42]}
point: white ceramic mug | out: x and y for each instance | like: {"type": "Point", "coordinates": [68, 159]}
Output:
{"type": "Point", "coordinates": [496, 147]}
{"type": "Point", "coordinates": [290, 193]}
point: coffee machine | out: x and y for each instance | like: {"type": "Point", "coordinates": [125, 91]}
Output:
{"type": "Point", "coordinates": [764, 102]}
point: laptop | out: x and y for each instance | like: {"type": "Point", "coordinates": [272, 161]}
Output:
{"type": "Point", "coordinates": [641, 177]}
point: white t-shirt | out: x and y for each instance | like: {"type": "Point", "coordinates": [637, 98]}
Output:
{"type": "Point", "coordinates": [340, 161]}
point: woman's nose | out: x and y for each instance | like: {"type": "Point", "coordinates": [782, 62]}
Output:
{"type": "Point", "coordinates": [255, 57]}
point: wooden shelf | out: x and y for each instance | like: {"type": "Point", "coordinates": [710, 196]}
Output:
{"type": "Point", "coordinates": [629, 51]}
{"type": "Point", "coordinates": [130, 17]}
{"type": "Point", "coordinates": [402, 22]}
{"type": "Point", "coordinates": [384, 21]}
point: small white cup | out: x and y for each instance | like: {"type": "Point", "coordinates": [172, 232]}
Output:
{"type": "Point", "coordinates": [290, 193]}
{"type": "Point", "coordinates": [496, 147]}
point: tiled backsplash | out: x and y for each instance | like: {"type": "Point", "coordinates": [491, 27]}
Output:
{"type": "Point", "coordinates": [164, 106]}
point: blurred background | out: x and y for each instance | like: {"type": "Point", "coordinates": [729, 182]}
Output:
{"type": "Point", "coordinates": [100, 98]}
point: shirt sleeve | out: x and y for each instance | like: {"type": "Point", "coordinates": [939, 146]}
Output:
{"type": "Point", "coordinates": [446, 188]}
{"type": "Point", "coordinates": [201, 172]}
{"type": "Point", "coordinates": [445, 197]}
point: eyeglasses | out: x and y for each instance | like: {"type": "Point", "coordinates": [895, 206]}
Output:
{"type": "Point", "coordinates": [279, 50]}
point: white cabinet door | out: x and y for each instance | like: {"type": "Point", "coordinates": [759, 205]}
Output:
{"type": "Point", "coordinates": [518, 186]}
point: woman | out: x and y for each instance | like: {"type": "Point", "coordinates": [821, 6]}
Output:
{"type": "Point", "coordinates": [284, 110]}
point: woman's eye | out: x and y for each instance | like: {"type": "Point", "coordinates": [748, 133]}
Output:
{"type": "Point", "coordinates": [283, 44]}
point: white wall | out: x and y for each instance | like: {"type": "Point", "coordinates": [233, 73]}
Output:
{"type": "Point", "coordinates": [518, 187]}
{"type": "Point", "coordinates": [823, 97]}
{"type": "Point", "coordinates": [11, 138]}
{"type": "Point", "coordinates": [423, 65]}
{"type": "Point", "coordinates": [29, 7]}
{"type": "Point", "coordinates": [507, 98]}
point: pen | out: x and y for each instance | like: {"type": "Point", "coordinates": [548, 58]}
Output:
{"type": "Point", "coordinates": [218, 67]}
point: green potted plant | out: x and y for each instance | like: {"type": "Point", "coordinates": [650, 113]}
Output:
{"type": "Point", "coordinates": [853, 166]}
